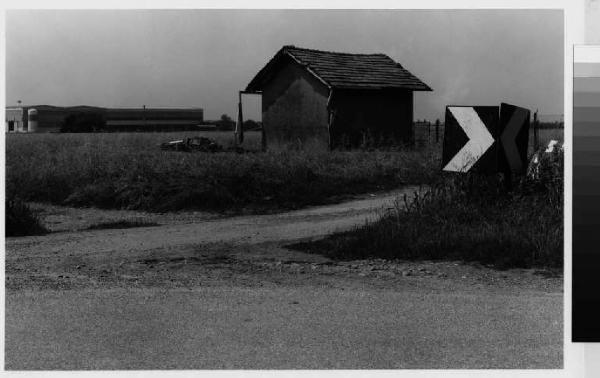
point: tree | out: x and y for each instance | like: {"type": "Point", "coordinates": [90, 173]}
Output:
{"type": "Point", "coordinates": [251, 124]}
{"type": "Point", "coordinates": [225, 123]}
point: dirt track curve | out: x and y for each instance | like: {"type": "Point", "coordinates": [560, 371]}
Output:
{"type": "Point", "coordinates": [308, 223]}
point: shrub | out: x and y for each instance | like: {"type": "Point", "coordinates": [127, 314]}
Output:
{"type": "Point", "coordinates": [124, 223]}
{"type": "Point", "coordinates": [20, 220]}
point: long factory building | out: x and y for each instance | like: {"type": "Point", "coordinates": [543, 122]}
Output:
{"type": "Point", "coordinates": [47, 118]}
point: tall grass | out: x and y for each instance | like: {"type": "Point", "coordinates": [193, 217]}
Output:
{"type": "Point", "coordinates": [466, 217]}
{"type": "Point", "coordinates": [130, 171]}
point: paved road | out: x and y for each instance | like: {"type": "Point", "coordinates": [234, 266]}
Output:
{"type": "Point", "coordinates": [284, 328]}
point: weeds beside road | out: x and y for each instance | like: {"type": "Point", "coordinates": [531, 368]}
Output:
{"type": "Point", "coordinates": [469, 218]}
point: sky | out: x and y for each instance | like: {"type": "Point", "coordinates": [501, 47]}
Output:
{"type": "Point", "coordinates": [202, 58]}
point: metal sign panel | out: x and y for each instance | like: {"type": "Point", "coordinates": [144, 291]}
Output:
{"type": "Point", "coordinates": [514, 138]}
{"type": "Point", "coordinates": [469, 139]}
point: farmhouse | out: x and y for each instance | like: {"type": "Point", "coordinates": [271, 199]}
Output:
{"type": "Point", "coordinates": [328, 99]}
{"type": "Point", "coordinates": [47, 118]}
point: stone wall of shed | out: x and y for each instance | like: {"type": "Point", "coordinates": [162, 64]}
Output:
{"type": "Point", "coordinates": [379, 116]}
{"type": "Point", "coordinates": [294, 106]}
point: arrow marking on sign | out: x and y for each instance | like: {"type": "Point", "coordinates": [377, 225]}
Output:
{"type": "Point", "coordinates": [479, 142]}
{"type": "Point", "coordinates": [509, 138]}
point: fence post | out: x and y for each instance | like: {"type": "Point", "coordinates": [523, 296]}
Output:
{"type": "Point", "coordinates": [437, 130]}
{"type": "Point", "coordinates": [535, 132]}
{"type": "Point", "coordinates": [428, 132]}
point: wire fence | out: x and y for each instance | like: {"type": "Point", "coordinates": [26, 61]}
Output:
{"type": "Point", "coordinates": [543, 129]}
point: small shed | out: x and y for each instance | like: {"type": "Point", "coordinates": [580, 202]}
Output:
{"type": "Point", "coordinates": [330, 99]}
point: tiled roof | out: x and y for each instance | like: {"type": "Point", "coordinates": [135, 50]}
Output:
{"type": "Point", "coordinates": [343, 70]}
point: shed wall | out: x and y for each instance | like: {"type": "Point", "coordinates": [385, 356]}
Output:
{"type": "Point", "coordinates": [294, 106]}
{"type": "Point", "coordinates": [376, 115]}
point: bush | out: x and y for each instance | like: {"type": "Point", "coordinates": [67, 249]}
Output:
{"type": "Point", "coordinates": [122, 224]}
{"type": "Point", "coordinates": [250, 124]}
{"type": "Point", "coordinates": [20, 220]}
{"type": "Point", "coordinates": [225, 123]}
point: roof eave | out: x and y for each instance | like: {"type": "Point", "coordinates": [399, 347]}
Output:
{"type": "Point", "coordinates": [427, 88]}
{"type": "Point", "coordinates": [423, 88]}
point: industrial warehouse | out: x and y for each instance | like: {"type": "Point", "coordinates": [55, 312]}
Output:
{"type": "Point", "coordinates": [48, 119]}
{"type": "Point", "coordinates": [327, 99]}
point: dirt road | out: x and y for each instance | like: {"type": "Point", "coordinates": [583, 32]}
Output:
{"type": "Point", "coordinates": [226, 293]}
{"type": "Point", "coordinates": [294, 225]}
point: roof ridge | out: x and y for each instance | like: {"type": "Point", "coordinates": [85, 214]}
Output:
{"type": "Point", "coordinates": [288, 47]}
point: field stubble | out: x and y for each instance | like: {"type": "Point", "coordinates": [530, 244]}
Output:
{"type": "Point", "coordinates": [129, 171]}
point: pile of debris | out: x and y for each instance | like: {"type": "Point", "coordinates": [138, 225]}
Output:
{"type": "Point", "coordinates": [199, 144]}
{"type": "Point", "coordinates": [546, 164]}
{"type": "Point", "coordinates": [545, 172]}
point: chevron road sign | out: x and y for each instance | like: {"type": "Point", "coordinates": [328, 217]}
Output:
{"type": "Point", "coordinates": [514, 137]}
{"type": "Point", "coordinates": [486, 139]}
{"type": "Point", "coordinates": [470, 139]}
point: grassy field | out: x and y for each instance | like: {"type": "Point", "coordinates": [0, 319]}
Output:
{"type": "Point", "coordinates": [129, 171]}
{"type": "Point", "coordinates": [462, 217]}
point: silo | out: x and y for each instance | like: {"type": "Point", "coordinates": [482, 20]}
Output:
{"type": "Point", "coordinates": [32, 121]}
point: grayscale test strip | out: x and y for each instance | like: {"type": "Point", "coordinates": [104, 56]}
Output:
{"type": "Point", "coordinates": [586, 200]}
